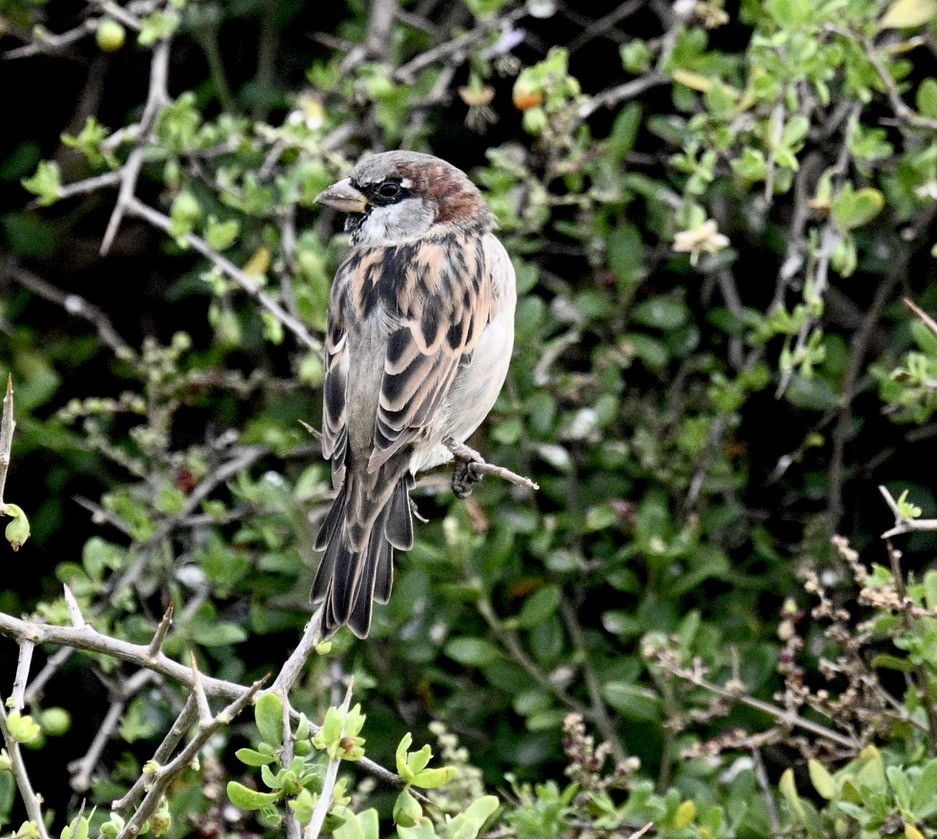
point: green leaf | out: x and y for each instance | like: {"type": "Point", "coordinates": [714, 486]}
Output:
{"type": "Point", "coordinates": [926, 98]}
{"type": "Point", "coordinates": [302, 806]}
{"type": "Point", "coordinates": [250, 799]}
{"type": "Point", "coordinates": [539, 606]}
{"type": "Point", "coordinates": [853, 209]}
{"type": "Point", "coordinates": [821, 779]}
{"type": "Point", "coordinates": [250, 757]}
{"type": "Point", "coordinates": [434, 778]}
{"type": "Point", "coordinates": [221, 234]}
{"type": "Point", "coordinates": [662, 312]}
{"type": "Point", "coordinates": [472, 652]}
{"type": "Point", "coordinates": [789, 14]}
{"type": "Point", "coordinates": [632, 701]}
{"type": "Point", "coordinates": [789, 790]}
{"type": "Point", "coordinates": [268, 714]}
{"type": "Point", "coordinates": [407, 810]}
{"type": "Point", "coordinates": [624, 130]}
{"type": "Point", "coordinates": [23, 727]}
{"type": "Point", "coordinates": [356, 825]}
{"type": "Point", "coordinates": [157, 26]}
{"type": "Point", "coordinates": [46, 182]}
{"type": "Point", "coordinates": [467, 825]}
{"type": "Point", "coordinates": [424, 830]}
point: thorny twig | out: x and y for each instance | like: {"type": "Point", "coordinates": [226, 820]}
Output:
{"type": "Point", "coordinates": [156, 100]}
{"type": "Point", "coordinates": [82, 769]}
{"type": "Point", "coordinates": [314, 828]}
{"type": "Point", "coordinates": [782, 715]}
{"type": "Point", "coordinates": [247, 284]}
{"type": "Point", "coordinates": [164, 775]}
{"type": "Point", "coordinates": [902, 523]}
{"type": "Point", "coordinates": [18, 768]}
{"type": "Point", "coordinates": [23, 663]}
{"type": "Point", "coordinates": [74, 304]}
{"type": "Point", "coordinates": [90, 640]}
{"type": "Point", "coordinates": [7, 425]}
{"type": "Point", "coordinates": [902, 110]}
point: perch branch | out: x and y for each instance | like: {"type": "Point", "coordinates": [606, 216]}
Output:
{"type": "Point", "coordinates": [463, 452]}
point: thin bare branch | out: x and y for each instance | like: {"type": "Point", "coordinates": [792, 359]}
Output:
{"type": "Point", "coordinates": [902, 110]}
{"type": "Point", "coordinates": [314, 828]}
{"type": "Point", "coordinates": [782, 715]}
{"type": "Point", "coordinates": [23, 663]}
{"type": "Point", "coordinates": [74, 611]}
{"type": "Point", "coordinates": [82, 769]}
{"type": "Point", "coordinates": [925, 318]}
{"type": "Point", "coordinates": [162, 754]}
{"type": "Point", "coordinates": [246, 283]}
{"type": "Point", "coordinates": [161, 631]}
{"type": "Point", "coordinates": [18, 768]}
{"type": "Point", "coordinates": [163, 776]}
{"type": "Point", "coordinates": [902, 523]}
{"type": "Point", "coordinates": [156, 100]}
{"type": "Point", "coordinates": [7, 425]}
{"type": "Point", "coordinates": [469, 455]}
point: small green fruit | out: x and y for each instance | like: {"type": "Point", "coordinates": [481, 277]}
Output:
{"type": "Point", "coordinates": [55, 721]}
{"type": "Point", "coordinates": [110, 35]}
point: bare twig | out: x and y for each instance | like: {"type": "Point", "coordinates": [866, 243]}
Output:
{"type": "Point", "coordinates": [92, 184]}
{"type": "Point", "coordinates": [293, 666]}
{"type": "Point", "coordinates": [764, 784]}
{"type": "Point", "coordinates": [453, 51]}
{"type": "Point", "coordinates": [83, 768]}
{"type": "Point", "coordinates": [157, 99]}
{"type": "Point", "coordinates": [23, 784]}
{"type": "Point", "coordinates": [314, 828]}
{"type": "Point", "coordinates": [161, 631]}
{"type": "Point", "coordinates": [782, 715]}
{"type": "Point", "coordinates": [621, 93]}
{"type": "Point", "coordinates": [7, 425]}
{"type": "Point", "coordinates": [599, 715]}
{"type": "Point", "coordinates": [163, 776]}
{"type": "Point", "coordinates": [902, 110]}
{"type": "Point", "coordinates": [23, 663]}
{"type": "Point", "coordinates": [925, 318]}
{"type": "Point", "coordinates": [162, 754]}
{"type": "Point", "coordinates": [74, 611]}
{"type": "Point", "coordinates": [247, 284]}
{"type": "Point", "coordinates": [469, 455]}
{"type": "Point", "coordinates": [902, 523]}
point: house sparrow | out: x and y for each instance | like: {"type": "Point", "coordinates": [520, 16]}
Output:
{"type": "Point", "coordinates": [420, 332]}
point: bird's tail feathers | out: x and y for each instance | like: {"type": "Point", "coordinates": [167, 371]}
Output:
{"type": "Point", "coordinates": [357, 566]}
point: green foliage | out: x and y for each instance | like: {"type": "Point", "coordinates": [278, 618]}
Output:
{"type": "Point", "coordinates": [711, 371]}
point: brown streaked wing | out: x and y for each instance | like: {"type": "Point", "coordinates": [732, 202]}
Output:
{"type": "Point", "coordinates": [334, 433]}
{"type": "Point", "coordinates": [443, 304]}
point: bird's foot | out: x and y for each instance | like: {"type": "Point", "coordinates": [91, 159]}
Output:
{"type": "Point", "coordinates": [465, 477]}
{"type": "Point", "coordinates": [467, 473]}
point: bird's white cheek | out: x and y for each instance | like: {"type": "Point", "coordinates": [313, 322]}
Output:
{"type": "Point", "coordinates": [401, 222]}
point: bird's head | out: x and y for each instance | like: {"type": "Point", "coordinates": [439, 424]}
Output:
{"type": "Point", "coordinates": [402, 196]}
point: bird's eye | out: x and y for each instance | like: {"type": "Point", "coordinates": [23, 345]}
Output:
{"type": "Point", "coordinates": [389, 189]}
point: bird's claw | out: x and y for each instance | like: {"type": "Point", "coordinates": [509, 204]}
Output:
{"type": "Point", "coordinates": [465, 477]}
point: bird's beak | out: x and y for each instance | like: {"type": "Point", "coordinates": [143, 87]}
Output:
{"type": "Point", "coordinates": [342, 196]}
